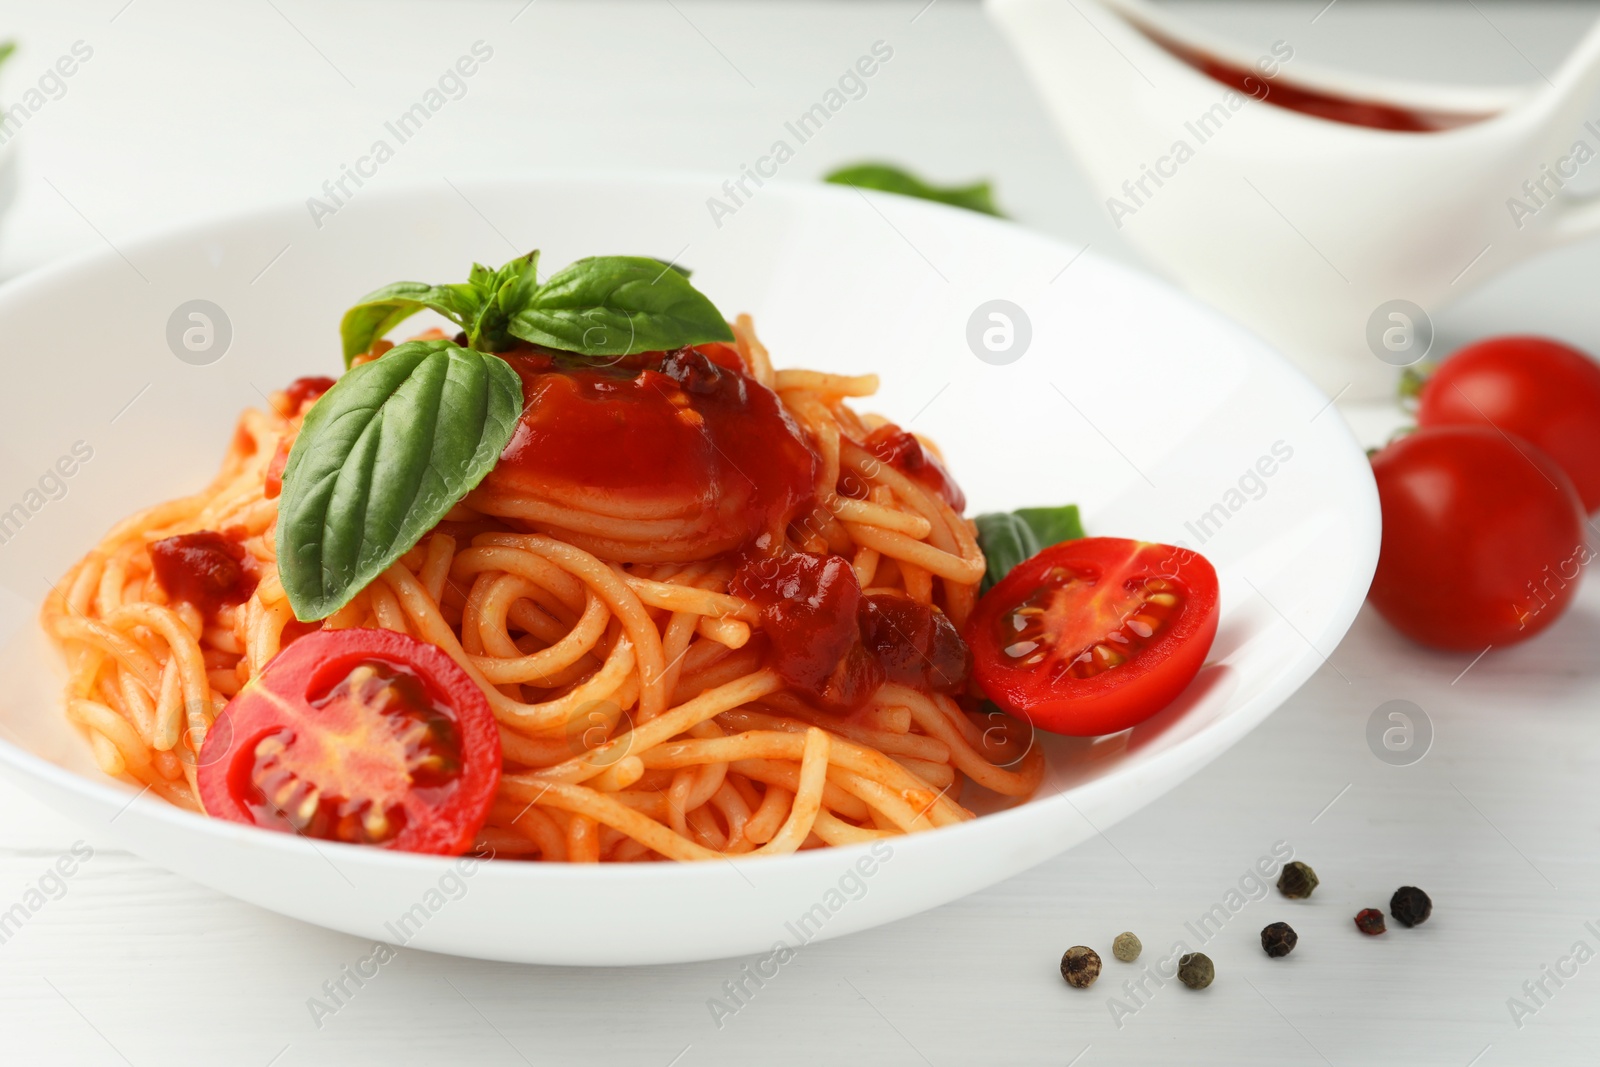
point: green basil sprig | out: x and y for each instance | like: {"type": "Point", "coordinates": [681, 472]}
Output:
{"type": "Point", "coordinates": [381, 458]}
{"type": "Point", "coordinates": [1009, 537]}
{"type": "Point", "coordinates": [887, 178]}
{"type": "Point", "coordinates": [385, 454]}
{"type": "Point", "coordinates": [599, 306]}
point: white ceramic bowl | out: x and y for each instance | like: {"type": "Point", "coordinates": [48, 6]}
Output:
{"type": "Point", "coordinates": [1147, 408]}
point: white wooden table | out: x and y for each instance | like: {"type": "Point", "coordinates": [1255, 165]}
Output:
{"type": "Point", "coordinates": [186, 109]}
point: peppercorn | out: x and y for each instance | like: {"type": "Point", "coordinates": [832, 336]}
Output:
{"type": "Point", "coordinates": [1196, 970]}
{"type": "Point", "coordinates": [1370, 921]}
{"type": "Point", "coordinates": [1126, 947]}
{"type": "Point", "coordinates": [1410, 905]}
{"type": "Point", "coordinates": [1080, 966]}
{"type": "Point", "coordinates": [1297, 880]}
{"type": "Point", "coordinates": [1278, 939]}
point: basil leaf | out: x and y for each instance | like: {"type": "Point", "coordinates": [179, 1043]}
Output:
{"type": "Point", "coordinates": [1051, 526]}
{"type": "Point", "coordinates": [680, 268]}
{"type": "Point", "coordinates": [383, 310]}
{"type": "Point", "coordinates": [381, 458]}
{"type": "Point", "coordinates": [1009, 537]}
{"type": "Point", "coordinates": [617, 306]}
{"type": "Point", "coordinates": [887, 178]}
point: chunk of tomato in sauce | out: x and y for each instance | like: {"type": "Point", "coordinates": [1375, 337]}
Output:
{"type": "Point", "coordinates": [838, 646]}
{"type": "Point", "coordinates": [808, 612]}
{"type": "Point", "coordinates": [916, 644]}
{"type": "Point", "coordinates": [902, 451]}
{"type": "Point", "coordinates": [204, 568]}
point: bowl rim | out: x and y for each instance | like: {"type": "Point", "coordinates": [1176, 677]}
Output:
{"type": "Point", "coordinates": [1170, 765]}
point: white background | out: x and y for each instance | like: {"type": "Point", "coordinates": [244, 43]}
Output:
{"type": "Point", "coordinates": [189, 109]}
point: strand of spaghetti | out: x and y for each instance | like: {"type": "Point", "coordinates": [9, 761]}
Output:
{"type": "Point", "coordinates": [436, 566]}
{"type": "Point", "coordinates": [785, 775]}
{"type": "Point", "coordinates": [907, 812]}
{"type": "Point", "coordinates": [113, 643]}
{"type": "Point", "coordinates": [944, 564]}
{"type": "Point", "coordinates": [901, 744]}
{"type": "Point", "coordinates": [653, 732]}
{"type": "Point", "coordinates": [735, 814]}
{"type": "Point", "coordinates": [619, 776]}
{"type": "Point", "coordinates": [605, 809]}
{"type": "Point", "coordinates": [622, 601]}
{"type": "Point", "coordinates": [675, 641]}
{"type": "Point", "coordinates": [938, 775]}
{"type": "Point", "coordinates": [729, 632]}
{"type": "Point", "coordinates": [770, 814]}
{"type": "Point", "coordinates": [918, 583]}
{"type": "Point", "coordinates": [677, 803]}
{"type": "Point", "coordinates": [532, 718]}
{"type": "Point", "coordinates": [690, 598]}
{"type": "Point", "coordinates": [113, 579]}
{"type": "Point", "coordinates": [865, 564]}
{"type": "Point", "coordinates": [750, 744]}
{"type": "Point", "coordinates": [185, 651]}
{"type": "Point", "coordinates": [514, 559]}
{"type": "Point", "coordinates": [114, 728]}
{"type": "Point", "coordinates": [864, 762]}
{"type": "Point", "coordinates": [386, 606]}
{"type": "Point", "coordinates": [854, 385]}
{"type": "Point", "coordinates": [933, 719]}
{"type": "Point", "coordinates": [807, 799]}
{"type": "Point", "coordinates": [835, 831]}
{"type": "Point", "coordinates": [583, 839]}
{"type": "Point", "coordinates": [824, 429]}
{"type": "Point", "coordinates": [865, 512]}
{"type": "Point", "coordinates": [753, 351]}
{"type": "Point", "coordinates": [140, 707]}
{"type": "Point", "coordinates": [538, 666]}
{"type": "Point", "coordinates": [169, 709]}
{"type": "Point", "coordinates": [534, 824]}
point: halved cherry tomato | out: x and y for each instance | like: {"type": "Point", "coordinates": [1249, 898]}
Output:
{"type": "Point", "coordinates": [1096, 635]}
{"type": "Point", "coordinates": [1539, 390]}
{"type": "Point", "coordinates": [361, 736]}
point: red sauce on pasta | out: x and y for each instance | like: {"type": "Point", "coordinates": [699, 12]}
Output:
{"type": "Point", "coordinates": [905, 453]}
{"type": "Point", "coordinates": [661, 430]}
{"type": "Point", "coordinates": [835, 644]}
{"type": "Point", "coordinates": [205, 568]}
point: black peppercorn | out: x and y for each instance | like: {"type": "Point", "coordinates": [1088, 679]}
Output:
{"type": "Point", "coordinates": [1278, 939]}
{"type": "Point", "coordinates": [1080, 966]}
{"type": "Point", "coordinates": [1196, 970]}
{"type": "Point", "coordinates": [1370, 921]}
{"type": "Point", "coordinates": [1297, 880]}
{"type": "Point", "coordinates": [1410, 906]}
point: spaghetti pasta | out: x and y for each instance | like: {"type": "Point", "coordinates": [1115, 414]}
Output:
{"type": "Point", "coordinates": [627, 666]}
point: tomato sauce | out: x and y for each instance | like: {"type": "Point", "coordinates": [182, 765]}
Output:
{"type": "Point", "coordinates": [905, 453]}
{"type": "Point", "coordinates": [836, 645]}
{"type": "Point", "coordinates": [1331, 106]}
{"type": "Point", "coordinates": [205, 568]}
{"type": "Point", "coordinates": [671, 433]}
{"type": "Point", "coordinates": [302, 389]}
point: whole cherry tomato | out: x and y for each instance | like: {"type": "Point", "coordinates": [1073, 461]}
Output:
{"type": "Point", "coordinates": [1539, 390]}
{"type": "Point", "coordinates": [1483, 538]}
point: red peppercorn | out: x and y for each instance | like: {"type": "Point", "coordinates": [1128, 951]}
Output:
{"type": "Point", "coordinates": [1370, 921]}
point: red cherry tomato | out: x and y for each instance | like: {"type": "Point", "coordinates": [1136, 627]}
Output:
{"type": "Point", "coordinates": [1482, 538]}
{"type": "Point", "coordinates": [1096, 635]}
{"type": "Point", "coordinates": [361, 736]}
{"type": "Point", "coordinates": [1536, 389]}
